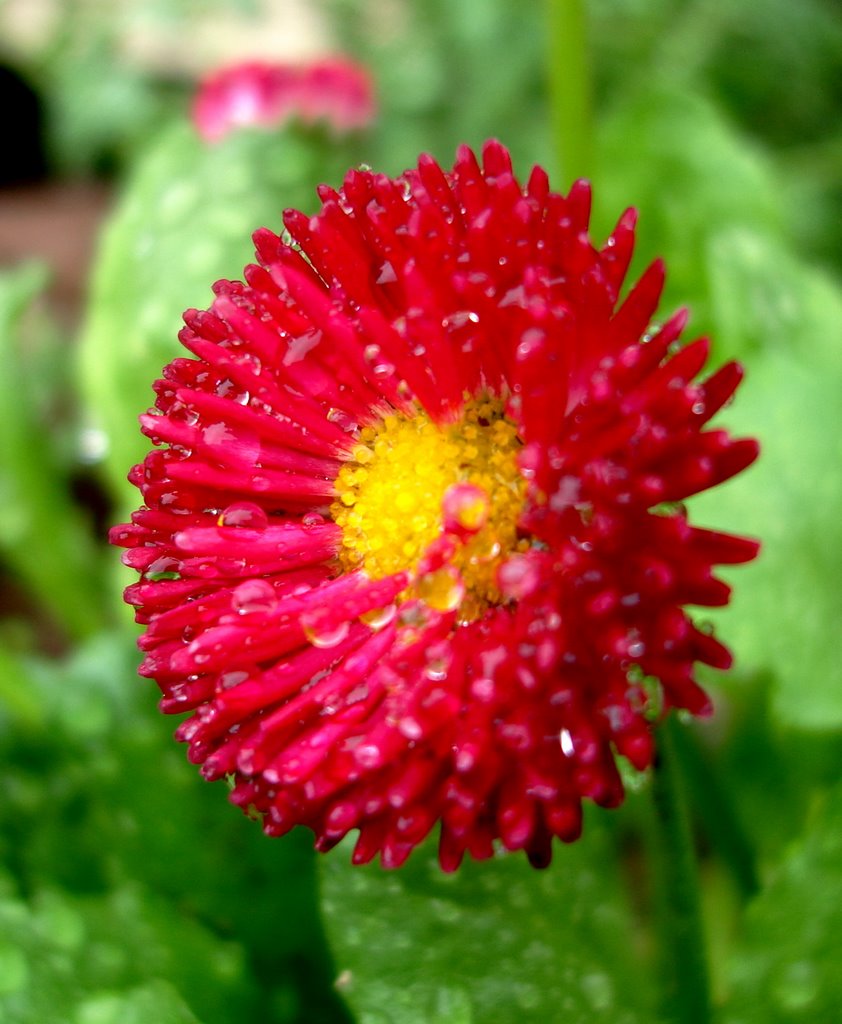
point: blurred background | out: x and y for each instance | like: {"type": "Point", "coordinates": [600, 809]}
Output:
{"type": "Point", "coordinates": [129, 891]}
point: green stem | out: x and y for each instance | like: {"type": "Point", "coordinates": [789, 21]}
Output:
{"type": "Point", "coordinates": [570, 88]}
{"type": "Point", "coordinates": [675, 886]}
{"type": "Point", "coordinates": [717, 813]}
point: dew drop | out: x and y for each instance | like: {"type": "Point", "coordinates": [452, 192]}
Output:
{"type": "Point", "coordinates": [465, 508]}
{"type": "Point", "coordinates": [227, 680]}
{"type": "Point", "coordinates": [566, 741]}
{"type": "Point", "coordinates": [436, 669]}
{"type": "Point", "coordinates": [518, 577]}
{"type": "Point", "coordinates": [311, 519]}
{"type": "Point", "coordinates": [342, 419]}
{"type": "Point", "coordinates": [368, 755]}
{"type": "Point", "coordinates": [254, 596]}
{"type": "Point", "coordinates": [410, 727]}
{"type": "Point", "coordinates": [244, 514]}
{"type": "Point", "coordinates": [321, 628]}
{"type": "Point", "coordinates": [379, 618]}
{"type": "Point", "coordinates": [164, 568]}
{"type": "Point", "coordinates": [443, 590]}
{"type": "Point", "coordinates": [532, 341]}
{"type": "Point", "coordinates": [387, 274]}
{"type": "Point", "coordinates": [460, 319]}
{"type": "Point", "coordinates": [483, 689]}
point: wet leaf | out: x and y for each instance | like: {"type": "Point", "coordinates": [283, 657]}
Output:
{"type": "Point", "coordinates": [787, 606]}
{"type": "Point", "coordinates": [785, 969]}
{"type": "Point", "coordinates": [496, 940]}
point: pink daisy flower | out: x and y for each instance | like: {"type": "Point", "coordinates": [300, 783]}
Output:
{"type": "Point", "coordinates": [333, 91]}
{"type": "Point", "coordinates": [412, 550]}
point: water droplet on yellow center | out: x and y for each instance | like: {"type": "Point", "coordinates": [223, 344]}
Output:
{"type": "Point", "coordinates": [409, 480]}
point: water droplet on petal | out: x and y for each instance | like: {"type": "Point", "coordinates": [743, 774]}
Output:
{"type": "Point", "coordinates": [229, 679]}
{"type": "Point", "coordinates": [483, 689]}
{"type": "Point", "coordinates": [566, 741]}
{"type": "Point", "coordinates": [254, 596]}
{"type": "Point", "coordinates": [342, 419]}
{"type": "Point", "coordinates": [410, 727]}
{"type": "Point", "coordinates": [387, 274]}
{"type": "Point", "coordinates": [436, 669]}
{"type": "Point", "coordinates": [244, 514]}
{"type": "Point", "coordinates": [368, 755]}
{"type": "Point", "coordinates": [518, 577]}
{"type": "Point", "coordinates": [312, 519]}
{"type": "Point", "coordinates": [443, 590]}
{"type": "Point", "coordinates": [379, 618]}
{"type": "Point", "coordinates": [322, 629]}
{"type": "Point", "coordinates": [465, 508]}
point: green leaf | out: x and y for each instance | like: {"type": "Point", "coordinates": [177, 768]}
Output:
{"type": "Point", "coordinates": [185, 220]}
{"type": "Point", "coordinates": [127, 813]}
{"type": "Point", "coordinates": [156, 1001]}
{"type": "Point", "coordinates": [86, 958]}
{"type": "Point", "coordinates": [496, 941]}
{"type": "Point", "coordinates": [787, 606]}
{"type": "Point", "coordinates": [42, 534]}
{"type": "Point", "coordinates": [785, 969]}
{"type": "Point", "coordinates": [672, 155]}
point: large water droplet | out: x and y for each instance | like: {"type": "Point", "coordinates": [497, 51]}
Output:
{"type": "Point", "coordinates": [465, 508]}
{"type": "Point", "coordinates": [368, 755]}
{"type": "Point", "coordinates": [443, 590]}
{"type": "Point", "coordinates": [254, 596]}
{"type": "Point", "coordinates": [244, 514]}
{"type": "Point", "coordinates": [322, 629]}
{"type": "Point", "coordinates": [342, 419]}
{"type": "Point", "coordinates": [163, 568]}
{"type": "Point", "coordinates": [387, 274]}
{"type": "Point", "coordinates": [227, 680]}
{"type": "Point", "coordinates": [379, 618]}
{"type": "Point", "coordinates": [518, 577]}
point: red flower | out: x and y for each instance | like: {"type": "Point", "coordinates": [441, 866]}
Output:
{"type": "Point", "coordinates": [411, 550]}
{"type": "Point", "coordinates": [334, 91]}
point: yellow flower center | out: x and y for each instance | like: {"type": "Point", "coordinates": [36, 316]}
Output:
{"type": "Point", "coordinates": [409, 481]}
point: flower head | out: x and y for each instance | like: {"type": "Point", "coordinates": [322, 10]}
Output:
{"type": "Point", "coordinates": [412, 549]}
{"type": "Point", "coordinates": [334, 91]}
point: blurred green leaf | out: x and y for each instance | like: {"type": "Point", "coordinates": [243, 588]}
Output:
{"type": "Point", "coordinates": [673, 156]}
{"type": "Point", "coordinates": [42, 534]}
{"type": "Point", "coordinates": [495, 941]}
{"type": "Point", "coordinates": [185, 220]}
{"type": "Point", "coordinates": [785, 969]}
{"type": "Point", "coordinates": [82, 738]}
{"type": "Point", "coordinates": [76, 958]}
{"type": "Point", "coordinates": [787, 606]}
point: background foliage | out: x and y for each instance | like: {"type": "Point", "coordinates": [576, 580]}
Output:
{"type": "Point", "coordinates": [128, 891]}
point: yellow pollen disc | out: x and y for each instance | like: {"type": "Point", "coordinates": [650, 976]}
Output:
{"type": "Point", "coordinates": [398, 493]}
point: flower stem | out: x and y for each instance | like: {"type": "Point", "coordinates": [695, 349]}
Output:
{"type": "Point", "coordinates": [570, 88]}
{"type": "Point", "coordinates": [717, 814]}
{"type": "Point", "coordinates": [685, 993]}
